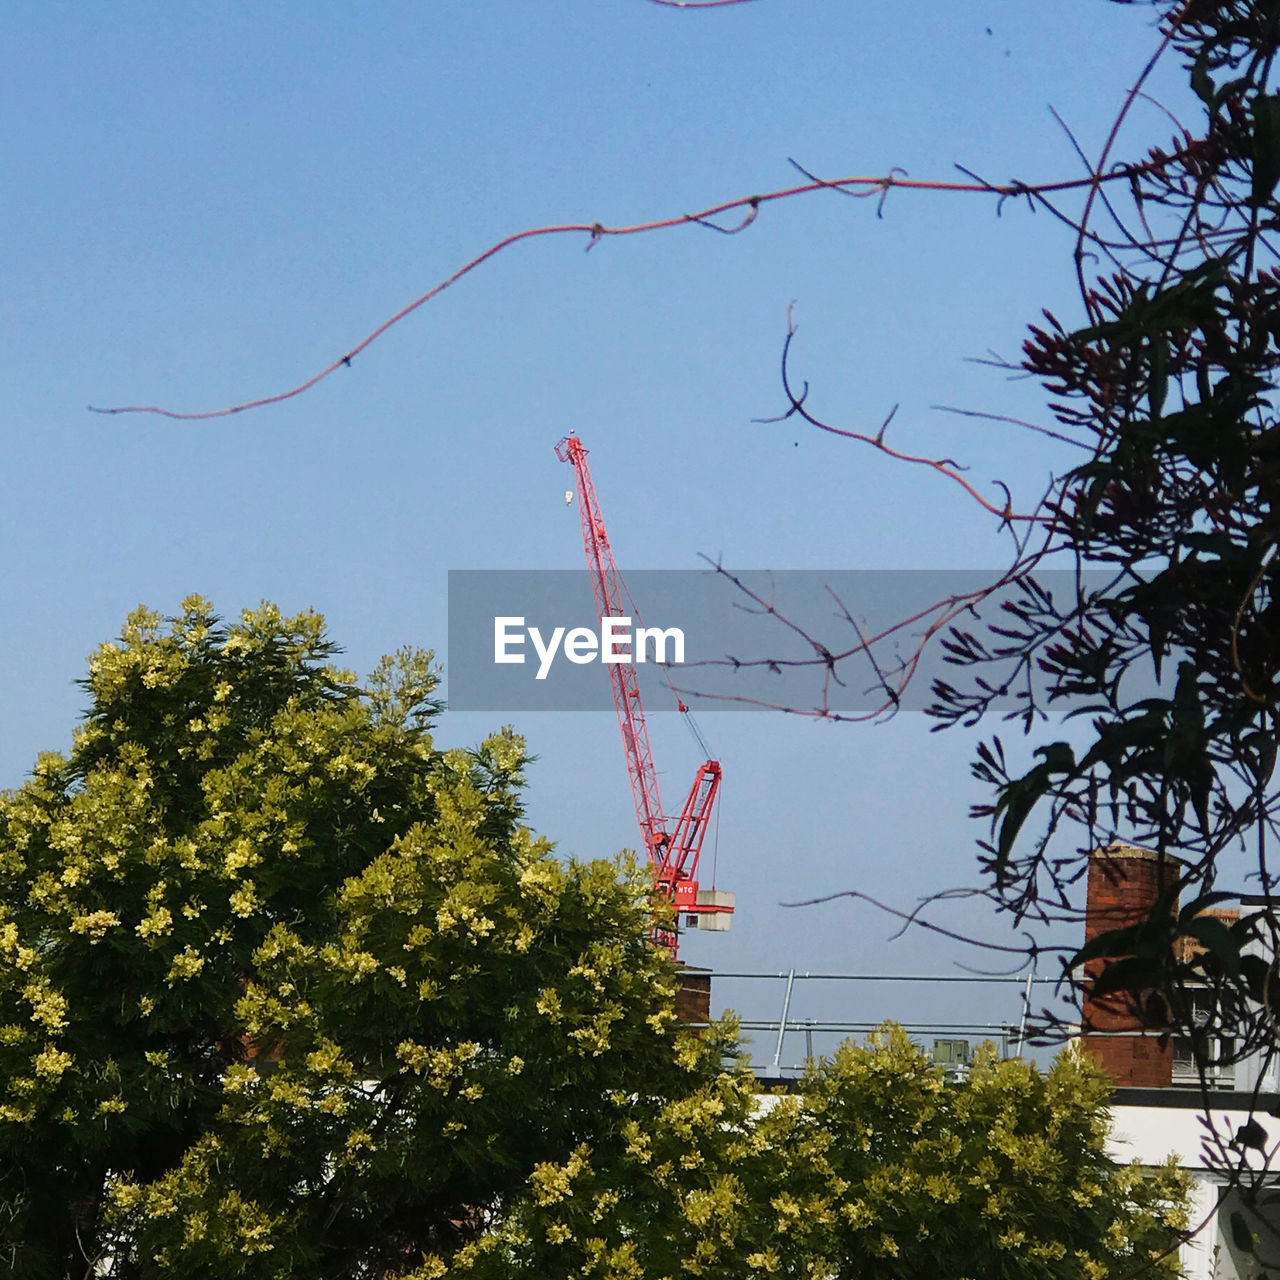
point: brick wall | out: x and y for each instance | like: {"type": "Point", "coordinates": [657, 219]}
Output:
{"type": "Point", "coordinates": [1136, 1062]}
{"type": "Point", "coordinates": [693, 995]}
{"type": "Point", "coordinates": [1124, 884]}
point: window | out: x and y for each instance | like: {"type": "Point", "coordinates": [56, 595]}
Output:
{"type": "Point", "coordinates": [1215, 1051]}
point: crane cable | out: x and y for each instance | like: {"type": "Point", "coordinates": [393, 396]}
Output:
{"type": "Point", "coordinates": [693, 727]}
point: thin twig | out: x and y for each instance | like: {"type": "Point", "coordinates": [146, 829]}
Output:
{"type": "Point", "coordinates": [912, 918]}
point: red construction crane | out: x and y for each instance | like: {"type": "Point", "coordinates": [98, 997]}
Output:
{"type": "Point", "coordinates": [673, 847]}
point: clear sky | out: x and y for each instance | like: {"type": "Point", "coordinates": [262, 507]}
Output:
{"type": "Point", "coordinates": [204, 203]}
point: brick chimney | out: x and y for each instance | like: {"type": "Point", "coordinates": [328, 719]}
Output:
{"type": "Point", "coordinates": [693, 996]}
{"type": "Point", "coordinates": [1124, 884]}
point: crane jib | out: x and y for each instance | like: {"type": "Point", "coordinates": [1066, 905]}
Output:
{"type": "Point", "coordinates": [673, 848]}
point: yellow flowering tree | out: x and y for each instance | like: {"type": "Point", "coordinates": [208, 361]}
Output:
{"type": "Point", "coordinates": [287, 991]}
{"type": "Point", "coordinates": [875, 1168]}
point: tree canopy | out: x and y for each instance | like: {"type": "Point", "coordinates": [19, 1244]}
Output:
{"type": "Point", "coordinates": [875, 1167]}
{"type": "Point", "coordinates": [284, 988]}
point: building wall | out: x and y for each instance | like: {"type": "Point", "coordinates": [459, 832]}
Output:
{"type": "Point", "coordinates": [1150, 1134]}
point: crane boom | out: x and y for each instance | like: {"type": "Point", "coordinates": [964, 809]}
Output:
{"type": "Point", "coordinates": [673, 848]}
{"type": "Point", "coordinates": [606, 584]}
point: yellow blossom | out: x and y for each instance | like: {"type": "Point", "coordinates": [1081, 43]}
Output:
{"type": "Point", "coordinates": [51, 1062]}
{"type": "Point", "coordinates": [95, 924]}
{"type": "Point", "coordinates": [160, 921]}
{"type": "Point", "coordinates": [186, 964]}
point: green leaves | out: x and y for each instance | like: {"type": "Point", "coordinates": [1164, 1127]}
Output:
{"type": "Point", "coordinates": [1217, 939]}
{"type": "Point", "coordinates": [874, 1167]}
{"type": "Point", "coordinates": [1241, 1236]}
{"type": "Point", "coordinates": [1201, 83]}
{"type": "Point", "coordinates": [1266, 147]}
{"type": "Point", "coordinates": [1019, 797]}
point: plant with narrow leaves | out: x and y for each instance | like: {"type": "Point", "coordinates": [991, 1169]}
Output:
{"type": "Point", "coordinates": [1166, 653]}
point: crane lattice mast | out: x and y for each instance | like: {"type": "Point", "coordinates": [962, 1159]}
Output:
{"type": "Point", "coordinates": [672, 847]}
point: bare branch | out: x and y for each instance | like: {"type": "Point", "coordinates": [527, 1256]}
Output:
{"type": "Point", "coordinates": [747, 206]}
{"type": "Point", "coordinates": [911, 918]}
{"type": "Point", "coordinates": [943, 466]}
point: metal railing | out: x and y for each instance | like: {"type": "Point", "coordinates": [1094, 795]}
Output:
{"type": "Point", "coordinates": [1010, 1036]}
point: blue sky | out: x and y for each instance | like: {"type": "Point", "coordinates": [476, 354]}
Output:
{"type": "Point", "coordinates": [205, 203]}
